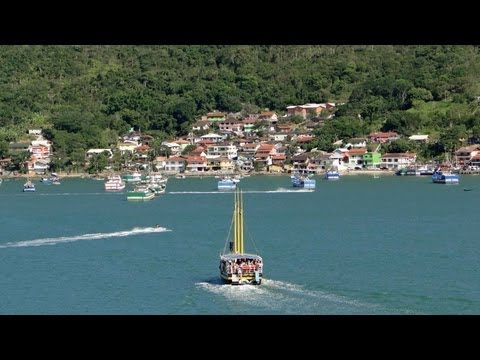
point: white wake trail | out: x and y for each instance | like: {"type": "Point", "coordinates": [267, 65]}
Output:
{"type": "Point", "coordinates": [65, 239]}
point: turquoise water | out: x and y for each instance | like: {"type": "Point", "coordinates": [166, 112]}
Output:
{"type": "Point", "coordinates": [392, 245]}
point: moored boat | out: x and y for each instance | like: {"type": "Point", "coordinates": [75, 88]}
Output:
{"type": "Point", "coordinates": [114, 183]}
{"type": "Point", "coordinates": [140, 193]}
{"type": "Point", "coordinates": [439, 177]}
{"type": "Point", "coordinates": [236, 266]}
{"type": "Point", "coordinates": [132, 177]}
{"type": "Point", "coordinates": [332, 175]}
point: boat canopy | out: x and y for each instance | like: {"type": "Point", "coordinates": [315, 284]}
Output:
{"type": "Point", "coordinates": [229, 257]}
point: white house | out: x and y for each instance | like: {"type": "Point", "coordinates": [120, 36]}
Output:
{"type": "Point", "coordinates": [93, 152]}
{"type": "Point", "coordinates": [420, 138]}
{"type": "Point", "coordinates": [398, 160]}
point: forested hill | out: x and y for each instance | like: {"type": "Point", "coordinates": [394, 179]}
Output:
{"type": "Point", "coordinates": [88, 95]}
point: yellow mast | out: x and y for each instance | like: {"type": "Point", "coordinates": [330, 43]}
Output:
{"type": "Point", "coordinates": [240, 216]}
{"type": "Point", "coordinates": [235, 235]}
{"type": "Point", "coordinates": [238, 223]}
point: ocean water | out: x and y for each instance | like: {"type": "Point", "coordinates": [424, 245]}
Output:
{"type": "Point", "coordinates": [359, 245]}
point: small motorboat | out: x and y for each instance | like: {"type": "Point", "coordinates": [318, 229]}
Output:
{"type": "Point", "coordinates": [467, 189]}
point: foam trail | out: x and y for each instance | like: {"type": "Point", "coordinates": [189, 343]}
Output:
{"type": "Point", "coordinates": [286, 298]}
{"type": "Point", "coordinates": [279, 190]}
{"type": "Point", "coordinates": [65, 239]}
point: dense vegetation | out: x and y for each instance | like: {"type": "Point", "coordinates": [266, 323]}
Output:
{"type": "Point", "coordinates": [86, 96]}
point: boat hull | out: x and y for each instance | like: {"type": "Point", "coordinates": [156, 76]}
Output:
{"type": "Point", "coordinates": [244, 279]}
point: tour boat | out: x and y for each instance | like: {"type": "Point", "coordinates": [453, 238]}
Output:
{"type": "Point", "coordinates": [236, 266]}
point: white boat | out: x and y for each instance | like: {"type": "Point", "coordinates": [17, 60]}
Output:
{"type": "Point", "coordinates": [140, 193]}
{"type": "Point", "coordinates": [156, 178]}
{"type": "Point", "coordinates": [332, 175]}
{"type": "Point", "coordinates": [132, 177]}
{"type": "Point", "coordinates": [156, 188]}
{"type": "Point", "coordinates": [114, 183]}
{"type": "Point", "coordinates": [29, 186]}
{"type": "Point", "coordinates": [226, 183]}
{"type": "Point", "coordinates": [236, 266]}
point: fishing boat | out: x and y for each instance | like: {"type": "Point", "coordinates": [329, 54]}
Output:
{"type": "Point", "coordinates": [236, 266]}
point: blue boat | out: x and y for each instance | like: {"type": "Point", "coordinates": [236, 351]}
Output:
{"type": "Point", "coordinates": [439, 177]}
{"type": "Point", "coordinates": [332, 175]}
{"type": "Point", "coordinates": [302, 181]}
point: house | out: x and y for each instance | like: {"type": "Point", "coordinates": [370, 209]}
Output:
{"type": "Point", "coordinates": [466, 153]}
{"type": "Point", "coordinates": [215, 116]}
{"type": "Point", "coordinates": [263, 155]}
{"type": "Point", "coordinates": [201, 125]}
{"type": "Point", "coordinates": [93, 152]}
{"type": "Point", "coordinates": [230, 125]}
{"type": "Point", "coordinates": [356, 143]}
{"type": "Point", "coordinates": [127, 147]}
{"type": "Point", "coordinates": [355, 157]}
{"type": "Point", "coordinates": [199, 151]}
{"type": "Point", "coordinates": [38, 166]}
{"type": "Point", "coordinates": [196, 163]}
{"type": "Point", "coordinates": [393, 161]}
{"type": "Point", "coordinates": [173, 146]}
{"type": "Point", "coordinates": [222, 164]}
{"type": "Point", "coordinates": [321, 161]}
{"type": "Point", "coordinates": [304, 139]}
{"type": "Point", "coordinates": [383, 137]}
{"type": "Point", "coordinates": [279, 136]}
{"type": "Point", "coordinates": [160, 162]}
{"type": "Point", "coordinates": [175, 164]}
{"type": "Point", "coordinates": [284, 128]}
{"type": "Point", "coordinates": [182, 144]}
{"type": "Point", "coordinates": [300, 162]}
{"type": "Point", "coordinates": [249, 124]}
{"type": "Point", "coordinates": [372, 160]}
{"type": "Point", "coordinates": [306, 109]}
{"type": "Point", "coordinates": [269, 116]}
{"type": "Point", "coordinates": [222, 150]}
{"type": "Point", "coordinates": [36, 132]}
{"type": "Point", "coordinates": [278, 159]}
{"type": "Point", "coordinates": [215, 138]}
{"type": "Point", "coordinates": [419, 138]}
{"type": "Point", "coordinates": [40, 151]}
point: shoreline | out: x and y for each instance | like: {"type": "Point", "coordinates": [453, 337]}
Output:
{"type": "Point", "coordinates": [259, 173]}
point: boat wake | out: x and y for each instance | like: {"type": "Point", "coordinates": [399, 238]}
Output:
{"type": "Point", "coordinates": [83, 194]}
{"type": "Point", "coordinates": [279, 190]}
{"type": "Point", "coordinates": [66, 239]}
{"type": "Point", "coordinates": [285, 298]}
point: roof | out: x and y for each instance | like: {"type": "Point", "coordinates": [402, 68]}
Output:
{"type": "Point", "coordinates": [397, 155]}
{"type": "Point", "coordinates": [418, 137]}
